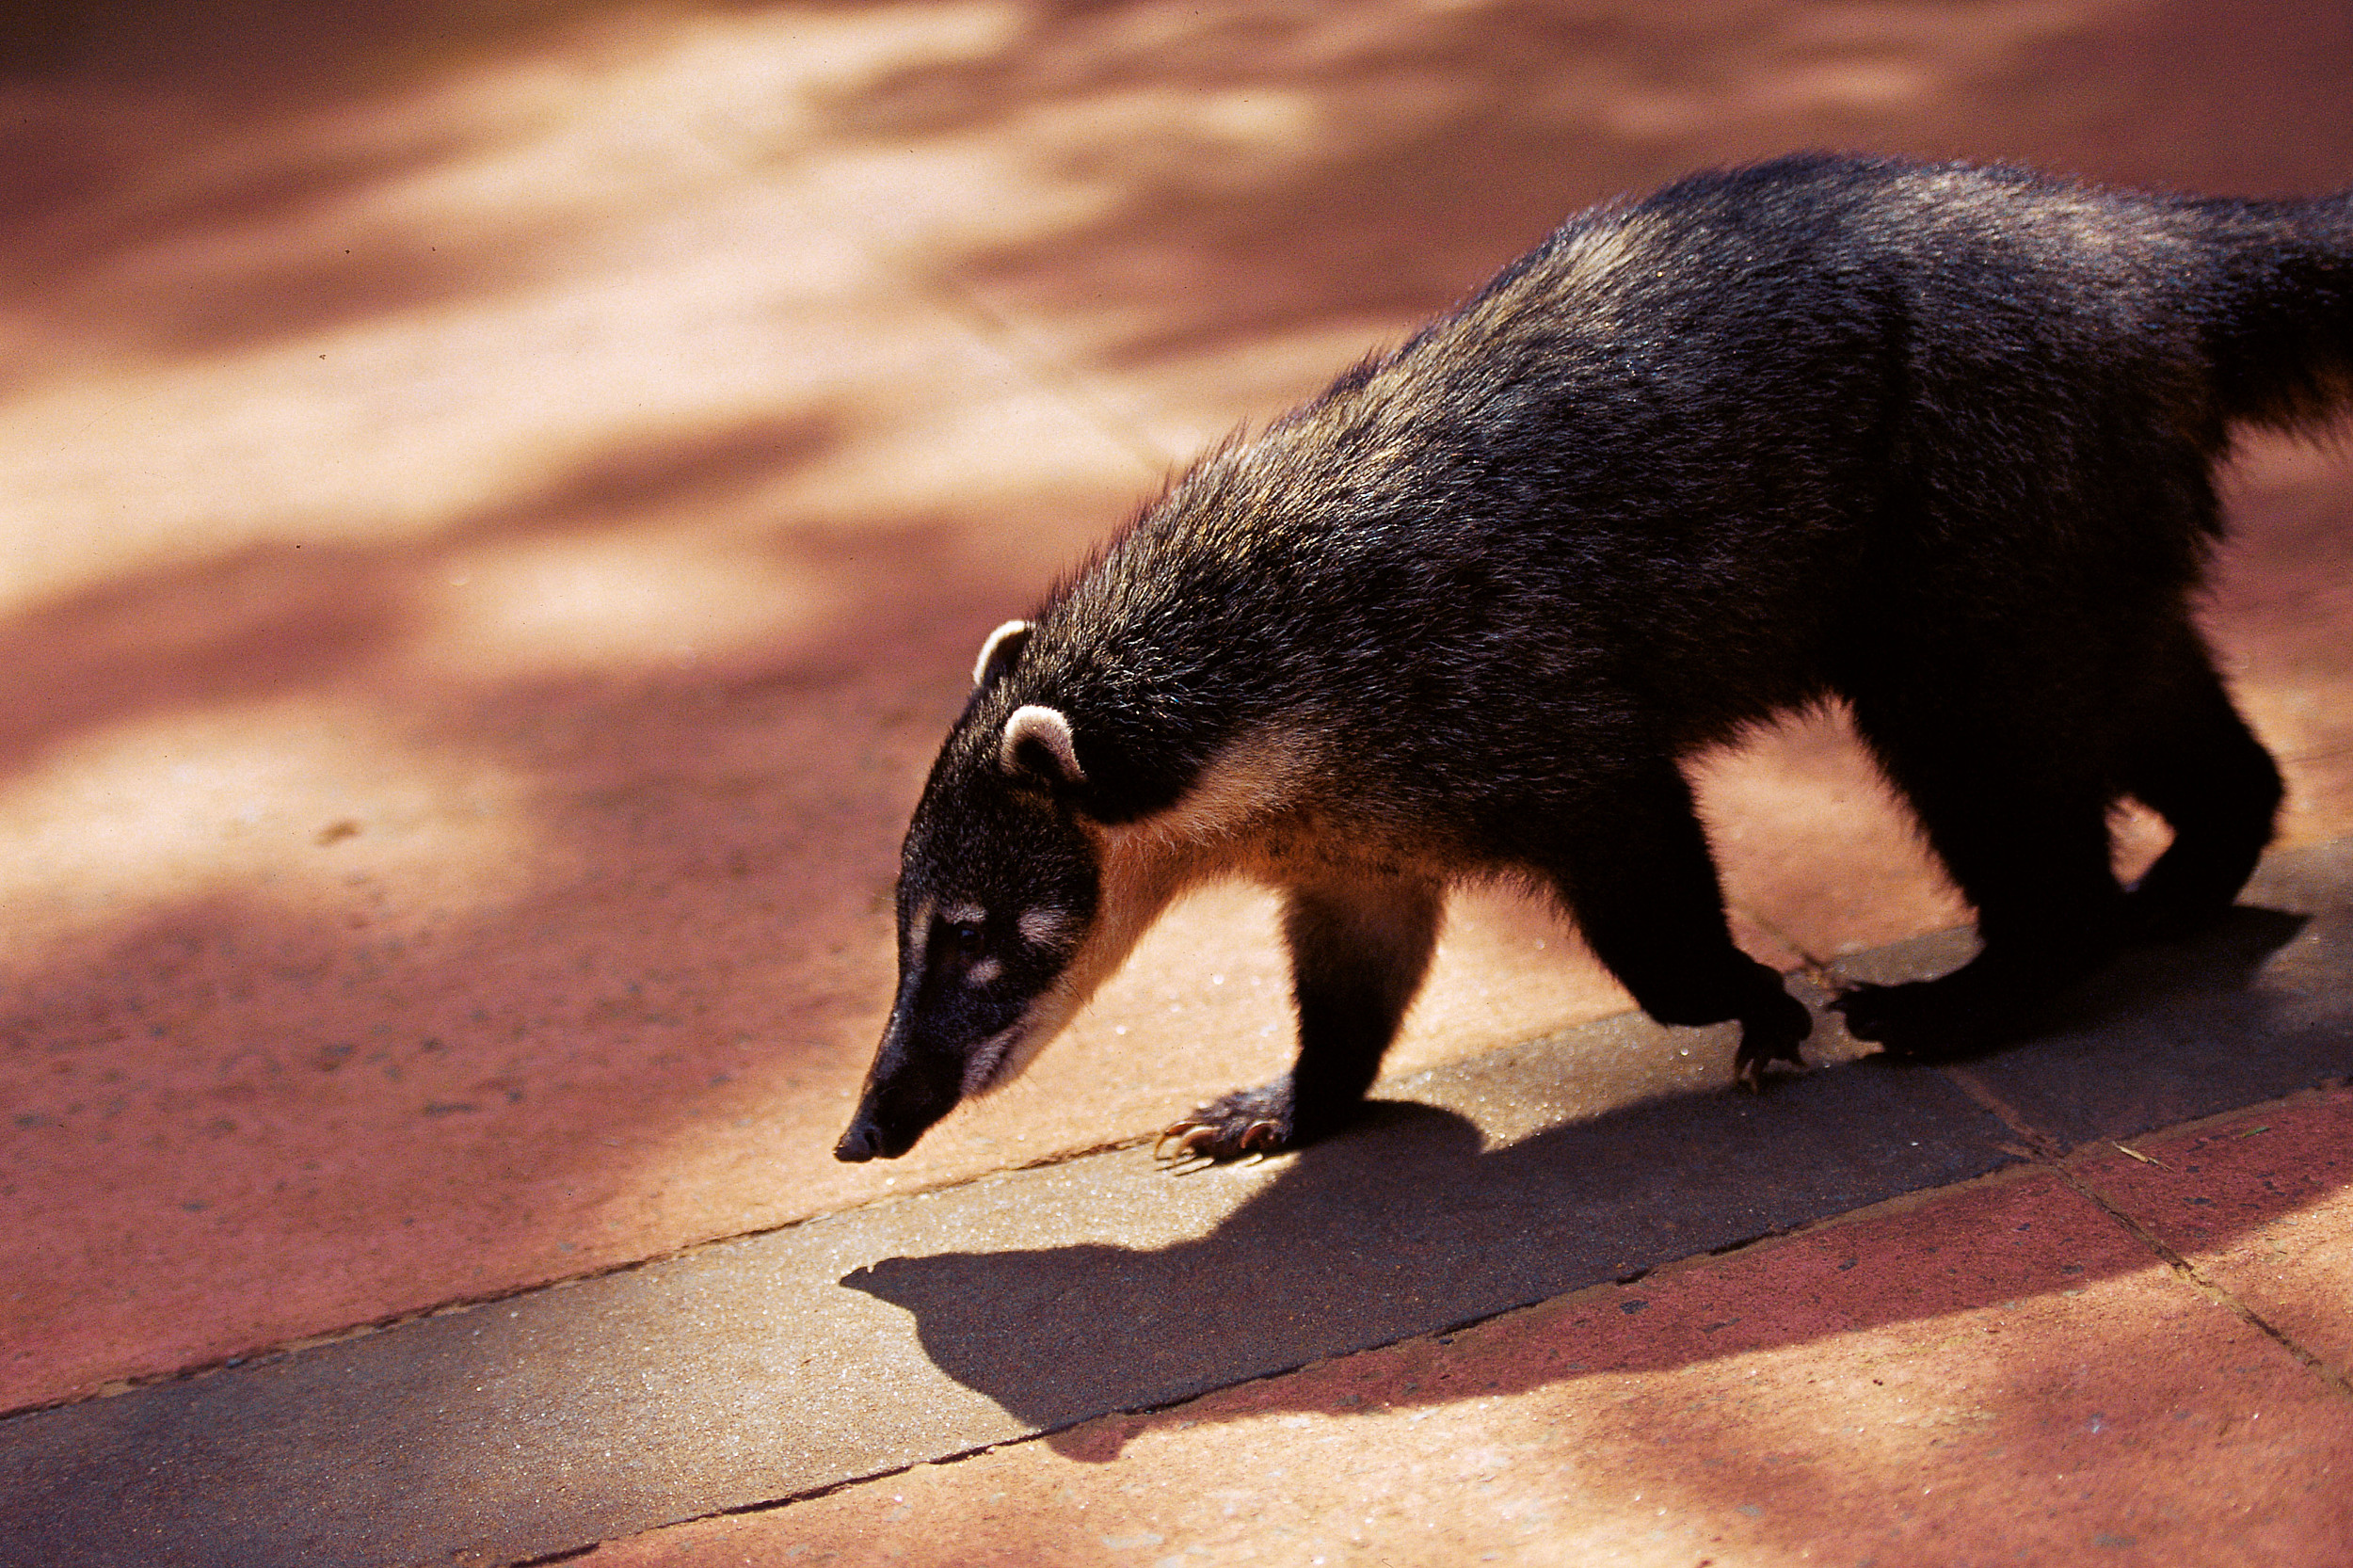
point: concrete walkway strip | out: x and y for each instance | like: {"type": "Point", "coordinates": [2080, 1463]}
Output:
{"type": "Point", "coordinates": [778, 1365]}
{"type": "Point", "coordinates": [1999, 1373]}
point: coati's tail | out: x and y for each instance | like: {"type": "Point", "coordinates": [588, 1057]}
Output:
{"type": "Point", "coordinates": [2280, 322]}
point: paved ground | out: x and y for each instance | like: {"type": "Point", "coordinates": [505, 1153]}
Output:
{"type": "Point", "coordinates": [496, 519]}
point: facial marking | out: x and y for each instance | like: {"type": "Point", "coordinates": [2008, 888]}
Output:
{"type": "Point", "coordinates": [985, 1068]}
{"type": "Point", "coordinates": [919, 932]}
{"type": "Point", "coordinates": [1044, 928]}
{"type": "Point", "coordinates": [1217, 829]}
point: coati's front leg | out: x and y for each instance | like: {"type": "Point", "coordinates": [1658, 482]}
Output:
{"type": "Point", "coordinates": [1632, 864]}
{"type": "Point", "coordinates": [1358, 949]}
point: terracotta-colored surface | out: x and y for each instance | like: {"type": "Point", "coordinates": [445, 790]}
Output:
{"type": "Point", "coordinates": [2259, 1204]}
{"type": "Point", "coordinates": [496, 517]}
{"type": "Point", "coordinates": [1999, 1373]}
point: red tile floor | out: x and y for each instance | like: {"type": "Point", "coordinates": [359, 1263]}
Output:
{"type": "Point", "coordinates": [497, 516]}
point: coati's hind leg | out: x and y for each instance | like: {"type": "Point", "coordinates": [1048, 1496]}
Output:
{"type": "Point", "coordinates": [2191, 759]}
{"type": "Point", "coordinates": [1359, 949]}
{"type": "Point", "coordinates": [1632, 864]}
{"type": "Point", "coordinates": [2014, 801]}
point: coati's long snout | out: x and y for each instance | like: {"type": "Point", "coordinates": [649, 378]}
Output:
{"type": "Point", "coordinates": [897, 1106]}
{"type": "Point", "coordinates": [912, 1084]}
{"type": "Point", "coordinates": [952, 1036]}
{"type": "Point", "coordinates": [966, 1022]}
{"type": "Point", "coordinates": [1932, 441]}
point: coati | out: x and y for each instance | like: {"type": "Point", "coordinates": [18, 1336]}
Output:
{"type": "Point", "coordinates": [1933, 440]}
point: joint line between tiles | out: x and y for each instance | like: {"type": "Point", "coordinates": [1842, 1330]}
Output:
{"type": "Point", "coordinates": [1442, 1334]}
{"type": "Point", "coordinates": [2048, 1151]}
{"type": "Point", "coordinates": [277, 1349]}
{"type": "Point", "coordinates": [1053, 375]}
{"type": "Point", "coordinates": [2182, 1266]}
{"type": "Point", "coordinates": [2040, 1145]}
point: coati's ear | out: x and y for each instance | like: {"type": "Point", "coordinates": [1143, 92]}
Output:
{"type": "Point", "coordinates": [1037, 741]}
{"type": "Point", "coordinates": [999, 652]}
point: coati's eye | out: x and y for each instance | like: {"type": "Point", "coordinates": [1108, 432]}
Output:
{"type": "Point", "coordinates": [964, 942]}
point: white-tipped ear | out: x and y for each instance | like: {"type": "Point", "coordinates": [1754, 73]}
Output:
{"type": "Point", "coordinates": [1050, 733]}
{"type": "Point", "coordinates": [999, 652]}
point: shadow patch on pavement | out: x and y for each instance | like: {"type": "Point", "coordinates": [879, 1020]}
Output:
{"type": "Point", "coordinates": [1406, 1225]}
{"type": "Point", "coordinates": [289, 616]}
{"type": "Point", "coordinates": [1464, 126]}
{"type": "Point", "coordinates": [2252, 1010]}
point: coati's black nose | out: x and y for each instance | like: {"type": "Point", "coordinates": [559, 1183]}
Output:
{"type": "Point", "coordinates": [862, 1142]}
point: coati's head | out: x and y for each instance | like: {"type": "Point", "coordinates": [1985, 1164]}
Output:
{"type": "Point", "coordinates": [998, 887]}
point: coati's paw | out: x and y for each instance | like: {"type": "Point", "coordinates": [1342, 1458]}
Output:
{"type": "Point", "coordinates": [1994, 999]}
{"type": "Point", "coordinates": [1772, 1033]}
{"type": "Point", "coordinates": [1248, 1121]}
{"type": "Point", "coordinates": [1923, 1020]}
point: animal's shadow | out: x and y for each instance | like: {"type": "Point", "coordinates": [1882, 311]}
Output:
{"type": "Point", "coordinates": [1407, 1224]}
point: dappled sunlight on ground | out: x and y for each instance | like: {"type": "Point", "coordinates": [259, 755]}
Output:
{"type": "Point", "coordinates": [226, 804]}
{"type": "Point", "coordinates": [496, 510]}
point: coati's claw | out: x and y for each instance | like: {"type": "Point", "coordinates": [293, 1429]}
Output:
{"type": "Point", "coordinates": [1854, 995]}
{"type": "Point", "coordinates": [1905, 1022]}
{"type": "Point", "coordinates": [1250, 1123]}
{"type": "Point", "coordinates": [1189, 1136]}
{"type": "Point", "coordinates": [1770, 1034]}
{"type": "Point", "coordinates": [1748, 1071]}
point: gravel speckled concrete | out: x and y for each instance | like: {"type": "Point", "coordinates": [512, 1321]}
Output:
{"type": "Point", "coordinates": [1998, 1374]}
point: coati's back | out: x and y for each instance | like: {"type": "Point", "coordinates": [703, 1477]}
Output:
{"type": "Point", "coordinates": [1935, 441]}
{"type": "Point", "coordinates": [1671, 459]}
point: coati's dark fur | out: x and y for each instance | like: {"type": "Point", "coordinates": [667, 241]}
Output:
{"type": "Point", "coordinates": [1934, 440]}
